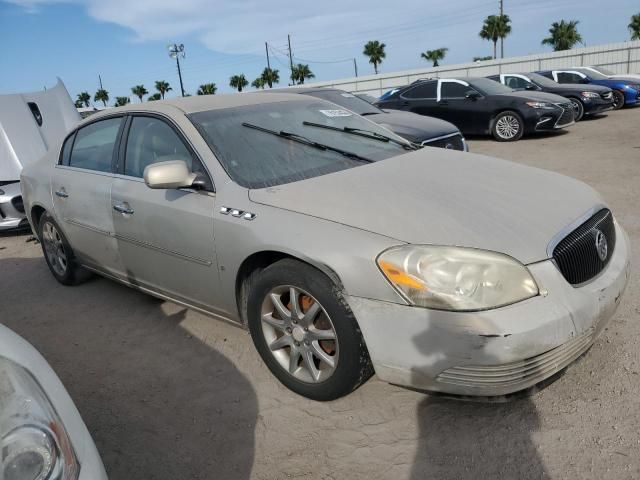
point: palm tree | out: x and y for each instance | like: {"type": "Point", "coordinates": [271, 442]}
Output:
{"type": "Point", "coordinates": [207, 89]}
{"type": "Point", "coordinates": [375, 51]}
{"type": "Point", "coordinates": [435, 55]}
{"type": "Point", "coordinates": [301, 72]}
{"type": "Point", "coordinates": [494, 28]}
{"type": "Point", "coordinates": [258, 83]}
{"type": "Point", "coordinates": [121, 101]}
{"type": "Point", "coordinates": [162, 87]}
{"type": "Point", "coordinates": [78, 104]}
{"type": "Point", "coordinates": [564, 35]}
{"type": "Point", "coordinates": [634, 27]}
{"type": "Point", "coordinates": [154, 97]}
{"type": "Point", "coordinates": [83, 99]}
{"type": "Point", "coordinates": [101, 96]}
{"type": "Point", "coordinates": [482, 59]}
{"type": "Point", "coordinates": [238, 81]}
{"type": "Point", "coordinates": [139, 91]}
{"type": "Point", "coordinates": [270, 76]}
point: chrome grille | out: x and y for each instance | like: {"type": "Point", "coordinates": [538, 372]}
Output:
{"type": "Point", "coordinates": [577, 254]}
{"type": "Point", "coordinates": [451, 142]}
{"type": "Point", "coordinates": [568, 115]}
{"type": "Point", "coordinates": [518, 375]}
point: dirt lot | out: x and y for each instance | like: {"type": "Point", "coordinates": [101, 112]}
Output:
{"type": "Point", "coordinates": [171, 394]}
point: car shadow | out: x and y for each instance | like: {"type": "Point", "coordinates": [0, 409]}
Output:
{"type": "Point", "coordinates": [159, 403]}
{"type": "Point", "coordinates": [468, 439]}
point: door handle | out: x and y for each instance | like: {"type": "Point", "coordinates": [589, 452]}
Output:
{"type": "Point", "coordinates": [62, 193]}
{"type": "Point", "coordinates": [123, 209]}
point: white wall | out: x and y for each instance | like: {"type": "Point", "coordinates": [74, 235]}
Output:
{"type": "Point", "coordinates": [619, 57]}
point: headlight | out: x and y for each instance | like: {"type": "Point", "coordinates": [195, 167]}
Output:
{"type": "Point", "coordinates": [456, 278]}
{"type": "Point", "coordinates": [34, 444]}
{"type": "Point", "coordinates": [542, 105]}
{"type": "Point", "coordinates": [590, 94]}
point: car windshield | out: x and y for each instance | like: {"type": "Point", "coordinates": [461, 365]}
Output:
{"type": "Point", "coordinates": [283, 149]}
{"type": "Point", "coordinates": [489, 87]}
{"type": "Point", "coordinates": [346, 100]}
{"type": "Point", "coordinates": [604, 71]}
{"type": "Point", "coordinates": [542, 81]}
{"type": "Point", "coordinates": [592, 74]}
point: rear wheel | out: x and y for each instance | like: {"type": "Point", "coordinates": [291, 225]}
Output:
{"type": "Point", "coordinates": [58, 253]}
{"type": "Point", "coordinates": [305, 332]}
{"type": "Point", "coordinates": [507, 127]}
{"type": "Point", "coordinates": [618, 100]}
{"type": "Point", "coordinates": [578, 107]}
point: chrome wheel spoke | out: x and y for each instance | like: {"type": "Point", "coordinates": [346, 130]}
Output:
{"type": "Point", "coordinates": [294, 300]}
{"type": "Point", "coordinates": [274, 322]}
{"type": "Point", "coordinates": [294, 359]}
{"type": "Point", "coordinates": [316, 334]}
{"type": "Point", "coordinates": [310, 315]}
{"type": "Point", "coordinates": [307, 360]}
{"type": "Point", "coordinates": [322, 355]}
{"type": "Point", "coordinates": [283, 341]}
{"type": "Point", "coordinates": [279, 306]}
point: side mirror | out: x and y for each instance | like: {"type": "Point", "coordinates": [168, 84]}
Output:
{"type": "Point", "coordinates": [531, 86]}
{"type": "Point", "coordinates": [472, 95]}
{"type": "Point", "coordinates": [168, 175]}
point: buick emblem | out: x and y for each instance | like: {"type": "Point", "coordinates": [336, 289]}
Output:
{"type": "Point", "coordinates": [449, 146]}
{"type": "Point", "coordinates": [601, 245]}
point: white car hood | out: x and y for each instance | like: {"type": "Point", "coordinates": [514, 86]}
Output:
{"type": "Point", "coordinates": [444, 198]}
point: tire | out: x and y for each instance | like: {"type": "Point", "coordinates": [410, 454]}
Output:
{"type": "Point", "coordinates": [578, 107]}
{"type": "Point", "coordinates": [58, 253]}
{"type": "Point", "coordinates": [507, 126]}
{"type": "Point", "coordinates": [618, 100]}
{"type": "Point", "coordinates": [290, 341]}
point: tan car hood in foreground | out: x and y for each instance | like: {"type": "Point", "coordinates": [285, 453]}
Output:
{"type": "Point", "coordinates": [439, 197]}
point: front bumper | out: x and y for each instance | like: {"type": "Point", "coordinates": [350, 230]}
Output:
{"type": "Point", "coordinates": [494, 352]}
{"type": "Point", "coordinates": [11, 208]}
{"type": "Point", "coordinates": [547, 120]}
{"type": "Point", "coordinates": [597, 105]}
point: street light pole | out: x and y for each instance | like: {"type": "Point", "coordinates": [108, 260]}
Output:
{"type": "Point", "coordinates": [501, 38]}
{"type": "Point", "coordinates": [177, 51]}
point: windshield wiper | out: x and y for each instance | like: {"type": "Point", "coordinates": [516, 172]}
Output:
{"type": "Point", "coordinates": [361, 132]}
{"type": "Point", "coordinates": [305, 141]}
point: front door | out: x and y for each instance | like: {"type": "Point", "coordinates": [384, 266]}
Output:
{"type": "Point", "coordinates": [468, 114]}
{"type": "Point", "coordinates": [81, 190]}
{"type": "Point", "coordinates": [164, 237]}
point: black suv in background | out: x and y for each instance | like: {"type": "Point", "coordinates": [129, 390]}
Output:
{"type": "Point", "coordinates": [586, 99]}
{"type": "Point", "coordinates": [425, 131]}
{"type": "Point", "coordinates": [479, 106]}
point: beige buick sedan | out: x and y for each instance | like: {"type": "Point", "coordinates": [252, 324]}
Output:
{"type": "Point", "coordinates": [343, 248]}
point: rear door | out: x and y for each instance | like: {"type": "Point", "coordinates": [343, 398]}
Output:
{"type": "Point", "coordinates": [420, 99]}
{"type": "Point", "coordinates": [164, 236]}
{"type": "Point", "coordinates": [569, 76]}
{"type": "Point", "coordinates": [81, 190]}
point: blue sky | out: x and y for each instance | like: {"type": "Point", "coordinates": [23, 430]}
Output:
{"type": "Point", "coordinates": [125, 41]}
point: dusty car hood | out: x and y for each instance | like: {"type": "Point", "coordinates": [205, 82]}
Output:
{"type": "Point", "coordinates": [417, 128]}
{"type": "Point", "coordinates": [444, 198]}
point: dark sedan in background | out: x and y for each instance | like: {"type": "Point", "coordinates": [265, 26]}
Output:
{"type": "Point", "coordinates": [626, 90]}
{"type": "Point", "coordinates": [480, 106]}
{"type": "Point", "coordinates": [586, 99]}
{"type": "Point", "coordinates": [425, 131]}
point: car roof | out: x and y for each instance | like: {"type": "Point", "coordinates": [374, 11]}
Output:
{"type": "Point", "coordinates": [200, 103]}
{"type": "Point", "coordinates": [301, 90]}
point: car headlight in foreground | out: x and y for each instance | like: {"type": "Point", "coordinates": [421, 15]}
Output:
{"type": "Point", "coordinates": [34, 444]}
{"type": "Point", "coordinates": [589, 95]}
{"type": "Point", "coordinates": [542, 105]}
{"type": "Point", "coordinates": [456, 278]}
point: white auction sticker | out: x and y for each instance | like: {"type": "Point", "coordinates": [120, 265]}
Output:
{"type": "Point", "coordinates": [335, 113]}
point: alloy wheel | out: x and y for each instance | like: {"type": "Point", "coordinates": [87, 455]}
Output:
{"type": "Point", "coordinates": [300, 334]}
{"type": "Point", "coordinates": [54, 249]}
{"type": "Point", "coordinates": [578, 108]}
{"type": "Point", "coordinates": [507, 127]}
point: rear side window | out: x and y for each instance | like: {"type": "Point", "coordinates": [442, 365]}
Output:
{"type": "Point", "coordinates": [564, 77]}
{"type": "Point", "coordinates": [424, 90]}
{"type": "Point", "coordinates": [453, 90]}
{"type": "Point", "coordinates": [151, 141]}
{"type": "Point", "coordinates": [93, 147]}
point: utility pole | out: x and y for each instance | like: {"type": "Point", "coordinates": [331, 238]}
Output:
{"type": "Point", "coordinates": [266, 48]}
{"type": "Point", "coordinates": [355, 67]}
{"type": "Point", "coordinates": [176, 51]}
{"type": "Point", "coordinates": [291, 59]}
{"type": "Point", "coordinates": [501, 39]}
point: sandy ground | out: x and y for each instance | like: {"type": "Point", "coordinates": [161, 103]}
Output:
{"type": "Point", "coordinates": [171, 394]}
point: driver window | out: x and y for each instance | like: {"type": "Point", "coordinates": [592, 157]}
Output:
{"type": "Point", "coordinates": [454, 90]}
{"type": "Point", "coordinates": [151, 141]}
{"type": "Point", "coordinates": [566, 77]}
{"type": "Point", "coordinates": [516, 83]}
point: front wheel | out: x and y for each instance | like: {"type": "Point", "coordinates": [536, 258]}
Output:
{"type": "Point", "coordinates": [507, 127]}
{"type": "Point", "coordinates": [618, 100]}
{"type": "Point", "coordinates": [578, 108]}
{"type": "Point", "coordinates": [305, 332]}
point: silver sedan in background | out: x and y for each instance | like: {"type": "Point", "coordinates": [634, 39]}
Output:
{"type": "Point", "coordinates": [343, 248]}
